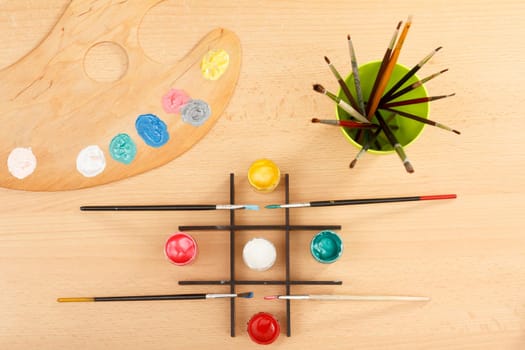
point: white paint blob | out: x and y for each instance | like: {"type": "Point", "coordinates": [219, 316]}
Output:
{"type": "Point", "coordinates": [91, 161]}
{"type": "Point", "coordinates": [259, 254]}
{"type": "Point", "coordinates": [21, 162]}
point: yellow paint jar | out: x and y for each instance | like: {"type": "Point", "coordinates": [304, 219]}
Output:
{"type": "Point", "coordinates": [264, 175]}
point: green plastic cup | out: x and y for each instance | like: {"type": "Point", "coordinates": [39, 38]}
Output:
{"type": "Point", "coordinates": [326, 247]}
{"type": "Point", "coordinates": [406, 130]}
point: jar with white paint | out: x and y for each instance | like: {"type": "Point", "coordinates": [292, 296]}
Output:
{"type": "Point", "coordinates": [259, 254]}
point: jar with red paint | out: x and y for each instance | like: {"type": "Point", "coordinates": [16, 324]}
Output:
{"type": "Point", "coordinates": [181, 249]}
{"type": "Point", "coordinates": [263, 328]}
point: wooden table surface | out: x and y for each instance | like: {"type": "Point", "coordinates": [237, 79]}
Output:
{"type": "Point", "coordinates": [467, 254]}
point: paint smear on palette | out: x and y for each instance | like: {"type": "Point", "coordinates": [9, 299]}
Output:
{"type": "Point", "coordinates": [174, 99]}
{"type": "Point", "coordinates": [122, 148]}
{"type": "Point", "coordinates": [91, 161]}
{"type": "Point", "coordinates": [214, 64]}
{"type": "Point", "coordinates": [21, 162]}
{"type": "Point", "coordinates": [195, 112]}
{"type": "Point", "coordinates": [152, 130]}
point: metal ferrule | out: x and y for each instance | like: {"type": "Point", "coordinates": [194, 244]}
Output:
{"type": "Point", "coordinates": [295, 205]}
{"type": "Point", "coordinates": [229, 206]}
{"type": "Point", "coordinates": [214, 296]}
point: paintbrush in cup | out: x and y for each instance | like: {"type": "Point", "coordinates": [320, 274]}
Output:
{"type": "Point", "coordinates": [341, 103]}
{"type": "Point", "coordinates": [413, 86]}
{"type": "Point", "coordinates": [395, 143]}
{"type": "Point", "coordinates": [345, 123]}
{"type": "Point", "coordinates": [409, 74]}
{"type": "Point", "coordinates": [355, 72]}
{"type": "Point", "coordinates": [342, 84]}
{"type": "Point", "coordinates": [384, 62]}
{"type": "Point", "coordinates": [422, 120]}
{"type": "Point", "coordinates": [385, 77]}
{"type": "Point", "coordinates": [369, 143]}
{"type": "Point", "coordinates": [415, 101]}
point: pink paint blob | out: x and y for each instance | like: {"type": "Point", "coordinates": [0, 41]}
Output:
{"type": "Point", "coordinates": [174, 99]}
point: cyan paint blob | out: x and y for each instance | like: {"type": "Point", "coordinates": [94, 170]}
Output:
{"type": "Point", "coordinates": [122, 148]}
{"type": "Point", "coordinates": [152, 130]}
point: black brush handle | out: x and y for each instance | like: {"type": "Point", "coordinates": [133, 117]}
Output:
{"type": "Point", "coordinates": [401, 92]}
{"type": "Point", "coordinates": [363, 201]}
{"type": "Point", "coordinates": [147, 207]}
{"type": "Point", "coordinates": [400, 83]}
{"type": "Point", "coordinates": [152, 297]}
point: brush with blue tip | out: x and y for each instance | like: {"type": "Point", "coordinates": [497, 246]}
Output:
{"type": "Point", "coordinates": [169, 207]}
{"type": "Point", "coordinates": [246, 295]}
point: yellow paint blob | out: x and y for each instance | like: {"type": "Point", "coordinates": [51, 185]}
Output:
{"type": "Point", "coordinates": [214, 64]}
{"type": "Point", "coordinates": [264, 175]}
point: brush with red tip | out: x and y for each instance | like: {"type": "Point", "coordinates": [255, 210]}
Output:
{"type": "Point", "coordinates": [346, 297]}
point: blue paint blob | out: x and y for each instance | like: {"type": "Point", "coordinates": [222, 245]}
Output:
{"type": "Point", "coordinates": [152, 130]}
{"type": "Point", "coordinates": [122, 148]}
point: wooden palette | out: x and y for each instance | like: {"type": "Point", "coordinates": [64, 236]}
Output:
{"type": "Point", "coordinates": [50, 105]}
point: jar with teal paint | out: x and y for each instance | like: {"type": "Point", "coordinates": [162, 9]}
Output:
{"type": "Point", "coordinates": [326, 247]}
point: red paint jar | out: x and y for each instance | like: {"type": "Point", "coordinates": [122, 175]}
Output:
{"type": "Point", "coordinates": [180, 249]}
{"type": "Point", "coordinates": [263, 328]}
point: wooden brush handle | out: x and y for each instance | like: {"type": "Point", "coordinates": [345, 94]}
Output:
{"type": "Point", "coordinates": [367, 297]}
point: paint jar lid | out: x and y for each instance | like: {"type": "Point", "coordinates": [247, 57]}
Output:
{"type": "Point", "coordinates": [259, 254]}
{"type": "Point", "coordinates": [264, 175]}
{"type": "Point", "coordinates": [326, 247]}
{"type": "Point", "coordinates": [181, 248]}
{"type": "Point", "coordinates": [263, 328]}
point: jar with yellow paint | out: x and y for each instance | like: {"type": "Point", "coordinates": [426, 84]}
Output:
{"type": "Point", "coordinates": [264, 175]}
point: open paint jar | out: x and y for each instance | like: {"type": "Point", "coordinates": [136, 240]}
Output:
{"type": "Point", "coordinates": [326, 247]}
{"type": "Point", "coordinates": [263, 328]}
{"type": "Point", "coordinates": [259, 254]}
{"type": "Point", "coordinates": [405, 130]}
{"type": "Point", "coordinates": [264, 175]}
{"type": "Point", "coordinates": [181, 249]}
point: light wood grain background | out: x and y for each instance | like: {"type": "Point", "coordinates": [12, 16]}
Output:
{"type": "Point", "coordinates": [467, 254]}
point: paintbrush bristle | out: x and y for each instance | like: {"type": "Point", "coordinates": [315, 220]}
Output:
{"type": "Point", "coordinates": [353, 163]}
{"type": "Point", "coordinates": [246, 295]}
{"type": "Point", "coordinates": [409, 167]}
{"type": "Point", "coordinates": [457, 132]}
{"type": "Point", "coordinates": [316, 120]}
{"type": "Point", "coordinates": [399, 25]}
{"type": "Point", "coordinates": [439, 48]}
{"type": "Point", "coordinates": [251, 207]}
{"type": "Point", "coordinates": [326, 59]}
{"type": "Point", "coordinates": [319, 88]}
{"type": "Point", "coordinates": [271, 297]}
